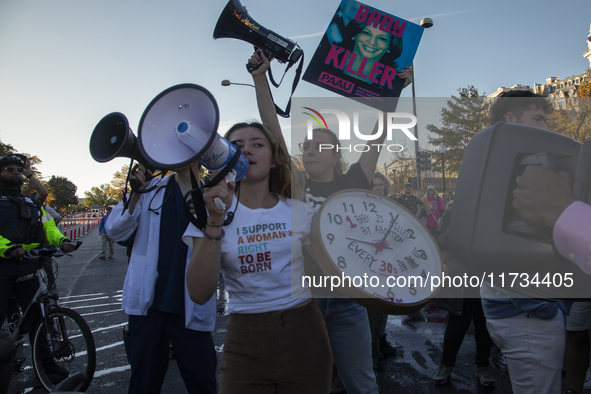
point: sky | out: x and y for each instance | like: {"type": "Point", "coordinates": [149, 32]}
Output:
{"type": "Point", "coordinates": [64, 64]}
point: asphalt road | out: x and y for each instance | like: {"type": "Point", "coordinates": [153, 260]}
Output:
{"type": "Point", "coordinates": [93, 288]}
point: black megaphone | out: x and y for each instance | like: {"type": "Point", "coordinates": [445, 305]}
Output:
{"type": "Point", "coordinates": [113, 138]}
{"type": "Point", "coordinates": [235, 22]}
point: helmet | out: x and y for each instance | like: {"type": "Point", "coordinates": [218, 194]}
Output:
{"type": "Point", "coordinates": [15, 158]}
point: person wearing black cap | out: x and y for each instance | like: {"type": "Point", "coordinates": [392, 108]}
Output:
{"type": "Point", "coordinates": [24, 225]}
{"type": "Point", "coordinates": [410, 201]}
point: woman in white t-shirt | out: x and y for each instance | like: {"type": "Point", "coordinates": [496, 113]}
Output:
{"type": "Point", "coordinates": [276, 340]}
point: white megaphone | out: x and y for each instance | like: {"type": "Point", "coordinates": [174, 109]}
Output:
{"type": "Point", "coordinates": [180, 126]}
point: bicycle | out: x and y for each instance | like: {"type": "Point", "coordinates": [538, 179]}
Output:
{"type": "Point", "coordinates": [62, 341]}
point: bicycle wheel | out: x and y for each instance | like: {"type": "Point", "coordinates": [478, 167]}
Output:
{"type": "Point", "coordinates": [73, 349]}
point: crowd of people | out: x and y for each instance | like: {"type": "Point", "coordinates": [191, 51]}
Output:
{"type": "Point", "coordinates": [278, 341]}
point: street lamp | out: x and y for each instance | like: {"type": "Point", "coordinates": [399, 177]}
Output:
{"type": "Point", "coordinates": [426, 23]}
{"type": "Point", "coordinates": [442, 149]}
{"type": "Point", "coordinates": [226, 82]}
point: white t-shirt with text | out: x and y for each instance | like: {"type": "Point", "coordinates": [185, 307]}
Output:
{"type": "Point", "coordinates": [261, 256]}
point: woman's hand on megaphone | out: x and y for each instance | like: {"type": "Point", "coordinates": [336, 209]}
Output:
{"type": "Point", "coordinates": [142, 176]}
{"type": "Point", "coordinates": [259, 59]}
{"type": "Point", "coordinates": [139, 179]}
{"type": "Point", "coordinates": [225, 192]}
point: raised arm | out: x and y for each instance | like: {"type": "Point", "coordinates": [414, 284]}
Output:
{"type": "Point", "coordinates": [369, 158]}
{"type": "Point", "coordinates": [42, 191]}
{"type": "Point", "coordinates": [264, 100]}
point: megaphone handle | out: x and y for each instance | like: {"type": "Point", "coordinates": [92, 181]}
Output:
{"type": "Point", "coordinates": [219, 204]}
{"type": "Point", "coordinates": [135, 184]}
{"type": "Point", "coordinates": [196, 194]}
{"type": "Point", "coordinates": [251, 67]}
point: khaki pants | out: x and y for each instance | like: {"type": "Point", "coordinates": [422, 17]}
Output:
{"type": "Point", "coordinates": [107, 241]}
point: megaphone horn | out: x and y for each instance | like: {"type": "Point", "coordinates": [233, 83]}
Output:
{"type": "Point", "coordinates": [180, 126]}
{"type": "Point", "coordinates": [113, 138]}
{"type": "Point", "coordinates": [234, 22]}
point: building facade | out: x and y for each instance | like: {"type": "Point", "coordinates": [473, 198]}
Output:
{"type": "Point", "coordinates": [562, 91]}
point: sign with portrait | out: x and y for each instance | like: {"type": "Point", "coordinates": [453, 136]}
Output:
{"type": "Point", "coordinates": [362, 52]}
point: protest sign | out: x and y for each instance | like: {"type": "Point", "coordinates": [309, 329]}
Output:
{"type": "Point", "coordinates": [362, 52]}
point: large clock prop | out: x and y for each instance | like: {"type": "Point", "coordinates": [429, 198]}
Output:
{"type": "Point", "coordinates": [387, 252]}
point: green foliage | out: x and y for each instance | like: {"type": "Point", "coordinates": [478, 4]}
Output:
{"type": "Point", "coordinates": [584, 89]}
{"type": "Point", "coordinates": [118, 182]}
{"type": "Point", "coordinates": [6, 149]}
{"type": "Point", "coordinates": [103, 195]}
{"type": "Point", "coordinates": [575, 120]}
{"type": "Point", "coordinates": [62, 192]}
{"type": "Point", "coordinates": [464, 116]}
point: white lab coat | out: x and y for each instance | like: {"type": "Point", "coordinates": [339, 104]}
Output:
{"type": "Point", "coordinates": [140, 280]}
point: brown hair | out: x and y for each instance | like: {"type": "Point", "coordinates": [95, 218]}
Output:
{"type": "Point", "coordinates": [386, 181]}
{"type": "Point", "coordinates": [517, 102]}
{"type": "Point", "coordinates": [280, 176]}
{"type": "Point", "coordinates": [339, 167]}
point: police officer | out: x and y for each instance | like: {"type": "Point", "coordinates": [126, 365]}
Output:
{"type": "Point", "coordinates": [24, 225]}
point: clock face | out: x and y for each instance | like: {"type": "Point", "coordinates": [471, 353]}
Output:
{"type": "Point", "coordinates": [387, 252]}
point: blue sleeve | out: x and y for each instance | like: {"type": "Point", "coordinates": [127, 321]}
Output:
{"type": "Point", "coordinates": [102, 224]}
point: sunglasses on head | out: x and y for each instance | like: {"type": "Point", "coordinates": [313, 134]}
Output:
{"type": "Point", "coordinates": [13, 169]}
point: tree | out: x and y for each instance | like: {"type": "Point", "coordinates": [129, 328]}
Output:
{"type": "Point", "coordinates": [118, 182]}
{"type": "Point", "coordinates": [584, 89]}
{"type": "Point", "coordinates": [575, 120]}
{"type": "Point", "coordinates": [464, 116]}
{"type": "Point", "coordinates": [62, 192]}
{"type": "Point", "coordinates": [6, 149]}
{"type": "Point", "coordinates": [103, 195]}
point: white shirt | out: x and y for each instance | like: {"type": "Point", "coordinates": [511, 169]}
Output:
{"type": "Point", "coordinates": [140, 280]}
{"type": "Point", "coordinates": [261, 256]}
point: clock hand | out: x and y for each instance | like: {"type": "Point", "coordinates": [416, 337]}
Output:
{"type": "Point", "coordinates": [349, 220]}
{"type": "Point", "coordinates": [365, 242]}
{"type": "Point", "coordinates": [380, 245]}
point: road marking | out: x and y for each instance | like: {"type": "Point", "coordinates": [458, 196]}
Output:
{"type": "Point", "coordinates": [98, 313]}
{"type": "Point", "coordinates": [90, 299]}
{"type": "Point", "coordinates": [96, 306]}
{"type": "Point", "coordinates": [83, 295]}
{"type": "Point", "coordinates": [109, 327]}
{"type": "Point", "coordinates": [98, 374]}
